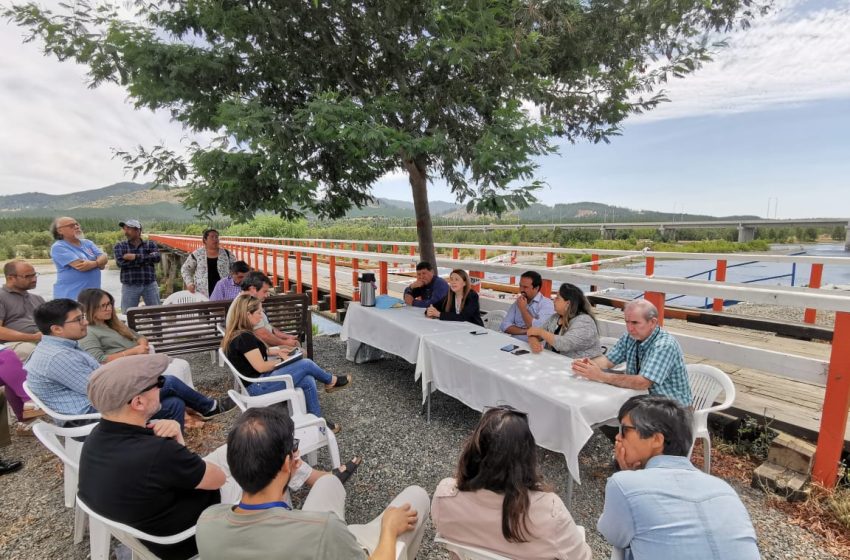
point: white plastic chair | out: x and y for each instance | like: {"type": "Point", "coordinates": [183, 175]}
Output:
{"type": "Point", "coordinates": [102, 529]}
{"type": "Point", "coordinates": [72, 446]}
{"type": "Point", "coordinates": [607, 342]}
{"type": "Point", "coordinates": [706, 384]}
{"type": "Point", "coordinates": [311, 430]}
{"type": "Point", "coordinates": [50, 435]}
{"type": "Point", "coordinates": [293, 396]}
{"type": "Point", "coordinates": [184, 296]}
{"type": "Point", "coordinates": [466, 552]}
{"type": "Point", "coordinates": [494, 319]}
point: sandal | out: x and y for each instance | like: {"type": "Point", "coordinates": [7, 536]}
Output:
{"type": "Point", "coordinates": [334, 427]}
{"type": "Point", "coordinates": [341, 382]}
{"type": "Point", "coordinates": [344, 472]}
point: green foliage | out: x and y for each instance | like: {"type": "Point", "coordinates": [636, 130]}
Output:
{"type": "Point", "coordinates": [268, 226]}
{"type": "Point", "coordinates": [315, 101]}
{"type": "Point", "coordinates": [754, 437]}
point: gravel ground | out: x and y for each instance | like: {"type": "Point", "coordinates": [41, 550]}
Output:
{"type": "Point", "coordinates": [780, 313]}
{"type": "Point", "coordinates": [382, 422]}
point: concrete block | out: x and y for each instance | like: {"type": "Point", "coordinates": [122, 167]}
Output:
{"type": "Point", "coordinates": [789, 484]}
{"type": "Point", "coordinates": [792, 453]}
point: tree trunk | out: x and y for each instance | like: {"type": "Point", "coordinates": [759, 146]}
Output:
{"type": "Point", "coordinates": [424, 232]}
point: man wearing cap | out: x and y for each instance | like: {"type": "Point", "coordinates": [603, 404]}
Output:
{"type": "Point", "coordinates": [137, 259]}
{"type": "Point", "coordinates": [59, 369]}
{"type": "Point", "coordinates": [140, 473]}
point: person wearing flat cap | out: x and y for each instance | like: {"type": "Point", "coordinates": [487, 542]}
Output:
{"type": "Point", "coordinates": [137, 260]}
{"type": "Point", "coordinates": [140, 472]}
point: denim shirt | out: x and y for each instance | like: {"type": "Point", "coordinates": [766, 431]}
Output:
{"type": "Point", "coordinates": [670, 509]}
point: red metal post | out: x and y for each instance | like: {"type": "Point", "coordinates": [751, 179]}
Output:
{"type": "Point", "coordinates": [354, 280]}
{"type": "Point", "coordinates": [455, 253]}
{"type": "Point", "coordinates": [286, 272]}
{"type": "Point", "coordinates": [314, 286]}
{"type": "Point", "coordinates": [835, 404]}
{"type": "Point", "coordinates": [413, 252]}
{"type": "Point", "coordinates": [546, 288]}
{"type": "Point", "coordinates": [657, 299]}
{"type": "Point", "coordinates": [395, 252]}
{"type": "Point", "coordinates": [266, 265]}
{"type": "Point", "coordinates": [650, 266]}
{"type": "Point", "coordinates": [299, 287]}
{"type": "Point", "coordinates": [717, 304]}
{"type": "Point", "coordinates": [814, 282]}
{"type": "Point", "coordinates": [594, 266]}
{"type": "Point", "coordinates": [332, 265]}
{"type": "Point", "coordinates": [382, 277]}
{"type": "Point", "coordinates": [274, 267]}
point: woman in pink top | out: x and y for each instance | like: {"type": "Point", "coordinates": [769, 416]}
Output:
{"type": "Point", "coordinates": [499, 502]}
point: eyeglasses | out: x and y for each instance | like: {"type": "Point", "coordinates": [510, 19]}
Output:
{"type": "Point", "coordinates": [295, 442]}
{"type": "Point", "coordinates": [80, 319]}
{"type": "Point", "coordinates": [27, 276]}
{"type": "Point", "coordinates": [506, 408]}
{"type": "Point", "coordinates": [160, 382]}
{"type": "Point", "coordinates": [105, 306]}
{"type": "Point", "coordinates": [625, 428]}
{"type": "Point", "coordinates": [72, 224]}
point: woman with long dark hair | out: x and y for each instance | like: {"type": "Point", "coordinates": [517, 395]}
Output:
{"type": "Point", "coordinates": [109, 338]}
{"type": "Point", "coordinates": [571, 330]}
{"type": "Point", "coordinates": [461, 303]}
{"type": "Point", "coordinates": [498, 500]}
{"type": "Point", "coordinates": [250, 356]}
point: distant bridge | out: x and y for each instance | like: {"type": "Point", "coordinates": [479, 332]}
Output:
{"type": "Point", "coordinates": [746, 228]}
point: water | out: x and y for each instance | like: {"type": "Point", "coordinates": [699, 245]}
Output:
{"type": "Point", "coordinates": [749, 273]}
{"type": "Point", "coordinates": [110, 280]}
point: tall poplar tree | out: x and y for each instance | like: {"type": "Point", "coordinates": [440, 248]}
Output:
{"type": "Point", "coordinates": [314, 101]}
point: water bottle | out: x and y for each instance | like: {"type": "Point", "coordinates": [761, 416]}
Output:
{"type": "Point", "coordinates": [367, 289]}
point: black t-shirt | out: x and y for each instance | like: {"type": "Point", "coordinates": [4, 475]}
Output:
{"type": "Point", "coordinates": [132, 476]}
{"type": "Point", "coordinates": [240, 346]}
{"type": "Point", "coordinates": [212, 273]}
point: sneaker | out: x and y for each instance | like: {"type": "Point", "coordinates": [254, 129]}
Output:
{"type": "Point", "coordinates": [222, 405]}
{"type": "Point", "coordinates": [32, 410]}
{"type": "Point", "coordinates": [7, 466]}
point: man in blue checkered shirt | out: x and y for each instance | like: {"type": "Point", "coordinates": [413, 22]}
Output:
{"type": "Point", "coordinates": [654, 360]}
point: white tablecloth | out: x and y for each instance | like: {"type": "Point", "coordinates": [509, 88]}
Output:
{"type": "Point", "coordinates": [561, 407]}
{"type": "Point", "coordinates": [397, 330]}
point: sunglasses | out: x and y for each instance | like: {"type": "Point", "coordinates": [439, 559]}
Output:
{"type": "Point", "coordinates": [506, 408]}
{"type": "Point", "coordinates": [160, 382]}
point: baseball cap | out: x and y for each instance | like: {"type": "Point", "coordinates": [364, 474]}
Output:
{"type": "Point", "coordinates": [131, 223]}
{"type": "Point", "coordinates": [113, 384]}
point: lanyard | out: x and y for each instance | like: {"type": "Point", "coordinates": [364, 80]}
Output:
{"type": "Point", "coordinates": [266, 505]}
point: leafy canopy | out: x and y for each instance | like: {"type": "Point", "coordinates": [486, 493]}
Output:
{"type": "Point", "coordinates": [313, 101]}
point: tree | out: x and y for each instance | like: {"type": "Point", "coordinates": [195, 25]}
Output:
{"type": "Point", "coordinates": [315, 101]}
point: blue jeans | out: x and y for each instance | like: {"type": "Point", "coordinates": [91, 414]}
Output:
{"type": "Point", "coordinates": [304, 374]}
{"type": "Point", "coordinates": [131, 293]}
{"type": "Point", "coordinates": [176, 390]}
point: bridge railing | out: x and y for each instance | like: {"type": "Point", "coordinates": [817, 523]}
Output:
{"type": "Point", "coordinates": [837, 398]}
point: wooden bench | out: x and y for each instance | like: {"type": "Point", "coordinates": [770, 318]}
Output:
{"type": "Point", "coordinates": [187, 328]}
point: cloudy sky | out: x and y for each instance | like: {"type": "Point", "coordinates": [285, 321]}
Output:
{"type": "Point", "coordinates": [765, 126]}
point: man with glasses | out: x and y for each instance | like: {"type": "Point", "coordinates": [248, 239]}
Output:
{"type": "Point", "coordinates": [531, 308]}
{"type": "Point", "coordinates": [137, 260]}
{"type": "Point", "coordinates": [140, 472]}
{"type": "Point", "coordinates": [661, 506]}
{"type": "Point", "coordinates": [18, 331]}
{"type": "Point", "coordinates": [262, 456]}
{"type": "Point", "coordinates": [78, 260]}
{"type": "Point", "coordinates": [654, 359]}
{"type": "Point", "coordinates": [59, 369]}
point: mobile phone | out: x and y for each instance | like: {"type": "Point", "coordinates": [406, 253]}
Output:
{"type": "Point", "coordinates": [519, 352]}
{"type": "Point", "coordinates": [509, 348]}
{"type": "Point", "coordinates": [476, 333]}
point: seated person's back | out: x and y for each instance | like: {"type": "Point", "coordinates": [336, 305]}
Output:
{"type": "Point", "coordinates": [133, 474]}
{"type": "Point", "coordinates": [468, 510]}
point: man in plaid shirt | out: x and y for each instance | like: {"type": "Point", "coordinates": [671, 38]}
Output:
{"type": "Point", "coordinates": [137, 259]}
{"type": "Point", "coordinates": [654, 360]}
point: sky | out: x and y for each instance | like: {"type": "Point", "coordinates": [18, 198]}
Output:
{"type": "Point", "coordinates": [762, 130]}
